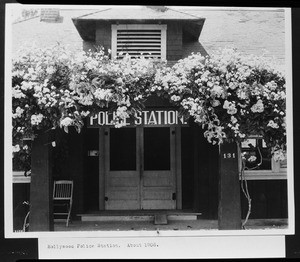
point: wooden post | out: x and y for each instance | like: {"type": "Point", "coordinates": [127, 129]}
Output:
{"type": "Point", "coordinates": [196, 153]}
{"type": "Point", "coordinates": [178, 168]}
{"type": "Point", "coordinates": [102, 160]}
{"type": "Point", "coordinates": [229, 210]}
{"type": "Point", "coordinates": [41, 206]}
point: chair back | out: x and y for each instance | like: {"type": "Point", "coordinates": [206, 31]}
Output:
{"type": "Point", "coordinates": [63, 189]}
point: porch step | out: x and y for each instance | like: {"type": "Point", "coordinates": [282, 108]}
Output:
{"type": "Point", "coordinates": [115, 218]}
{"type": "Point", "coordinates": [158, 217]}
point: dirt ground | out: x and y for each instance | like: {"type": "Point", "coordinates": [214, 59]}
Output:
{"type": "Point", "coordinates": [199, 224]}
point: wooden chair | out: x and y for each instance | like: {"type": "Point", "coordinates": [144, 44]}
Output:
{"type": "Point", "coordinates": [62, 198]}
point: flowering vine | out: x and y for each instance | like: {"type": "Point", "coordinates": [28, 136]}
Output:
{"type": "Point", "coordinates": [232, 96]}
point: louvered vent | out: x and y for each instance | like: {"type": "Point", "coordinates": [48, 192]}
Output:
{"type": "Point", "coordinates": [137, 40]}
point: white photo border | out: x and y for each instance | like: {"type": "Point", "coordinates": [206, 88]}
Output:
{"type": "Point", "coordinates": [8, 199]}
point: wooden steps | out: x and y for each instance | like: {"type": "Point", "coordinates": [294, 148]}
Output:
{"type": "Point", "coordinates": [159, 217]}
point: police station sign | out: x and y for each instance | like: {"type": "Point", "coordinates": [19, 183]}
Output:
{"type": "Point", "coordinates": [153, 118]}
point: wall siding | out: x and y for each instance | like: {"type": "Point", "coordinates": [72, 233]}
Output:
{"type": "Point", "coordinates": [103, 35]}
{"type": "Point", "coordinates": [189, 47]}
{"type": "Point", "coordinates": [269, 199]}
{"type": "Point", "coordinates": [199, 172]}
{"type": "Point", "coordinates": [174, 41]}
{"type": "Point", "coordinates": [21, 193]}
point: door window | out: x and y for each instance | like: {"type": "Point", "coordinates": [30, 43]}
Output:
{"type": "Point", "coordinates": [157, 148]}
{"type": "Point", "coordinates": [122, 149]}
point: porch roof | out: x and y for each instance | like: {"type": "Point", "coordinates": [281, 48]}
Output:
{"type": "Point", "coordinates": [86, 25]}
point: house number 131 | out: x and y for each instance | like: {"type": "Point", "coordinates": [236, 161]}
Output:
{"type": "Point", "coordinates": [229, 155]}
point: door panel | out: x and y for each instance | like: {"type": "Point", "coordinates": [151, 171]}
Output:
{"type": "Point", "coordinates": [158, 198]}
{"type": "Point", "coordinates": [158, 177]}
{"type": "Point", "coordinates": [122, 180]}
{"type": "Point", "coordinates": [140, 169]}
{"type": "Point", "coordinates": [160, 194]}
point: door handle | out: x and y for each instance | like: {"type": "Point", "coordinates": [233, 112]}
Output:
{"type": "Point", "coordinates": [106, 198]}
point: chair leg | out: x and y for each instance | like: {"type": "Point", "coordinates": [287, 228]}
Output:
{"type": "Point", "coordinates": [69, 214]}
{"type": "Point", "coordinates": [68, 217]}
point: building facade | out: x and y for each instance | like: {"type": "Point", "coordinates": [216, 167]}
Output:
{"type": "Point", "coordinates": [161, 163]}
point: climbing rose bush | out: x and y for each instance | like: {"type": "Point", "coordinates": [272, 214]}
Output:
{"type": "Point", "coordinates": [232, 96]}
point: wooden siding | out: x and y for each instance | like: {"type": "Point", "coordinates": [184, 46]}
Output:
{"type": "Point", "coordinates": [174, 41]}
{"type": "Point", "coordinates": [21, 193]}
{"type": "Point", "coordinates": [269, 199]}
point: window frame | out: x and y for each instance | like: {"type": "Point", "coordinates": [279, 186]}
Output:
{"type": "Point", "coordinates": [162, 27]}
{"type": "Point", "coordinates": [275, 173]}
{"type": "Point", "coordinates": [18, 177]}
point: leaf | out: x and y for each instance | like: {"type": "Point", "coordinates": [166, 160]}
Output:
{"type": "Point", "coordinates": [66, 129]}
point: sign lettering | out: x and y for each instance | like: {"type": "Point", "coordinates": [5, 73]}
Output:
{"type": "Point", "coordinates": [157, 118]}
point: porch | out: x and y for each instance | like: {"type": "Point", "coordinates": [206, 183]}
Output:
{"type": "Point", "coordinates": [138, 168]}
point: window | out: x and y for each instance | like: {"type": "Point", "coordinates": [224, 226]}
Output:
{"type": "Point", "coordinates": [122, 149]}
{"type": "Point", "coordinates": [157, 148]}
{"type": "Point", "coordinates": [256, 154]}
{"type": "Point", "coordinates": [259, 163]}
{"type": "Point", "coordinates": [139, 39]}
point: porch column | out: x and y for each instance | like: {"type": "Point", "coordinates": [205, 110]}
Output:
{"type": "Point", "coordinates": [229, 210]}
{"type": "Point", "coordinates": [41, 215]}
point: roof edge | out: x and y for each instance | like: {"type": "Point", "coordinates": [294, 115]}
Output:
{"type": "Point", "coordinates": [91, 13]}
{"type": "Point", "coordinates": [190, 17]}
{"type": "Point", "coordinates": [182, 12]}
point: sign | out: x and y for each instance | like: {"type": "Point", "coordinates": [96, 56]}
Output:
{"type": "Point", "coordinates": [228, 155]}
{"type": "Point", "coordinates": [157, 118]}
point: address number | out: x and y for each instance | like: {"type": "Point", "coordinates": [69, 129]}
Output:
{"type": "Point", "coordinates": [229, 155]}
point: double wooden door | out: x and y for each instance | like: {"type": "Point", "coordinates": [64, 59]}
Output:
{"type": "Point", "coordinates": [138, 168]}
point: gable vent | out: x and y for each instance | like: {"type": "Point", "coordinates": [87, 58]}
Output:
{"type": "Point", "coordinates": [137, 40]}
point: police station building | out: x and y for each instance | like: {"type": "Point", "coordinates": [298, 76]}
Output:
{"type": "Point", "coordinates": [158, 162]}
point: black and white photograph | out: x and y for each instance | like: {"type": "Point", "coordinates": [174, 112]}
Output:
{"type": "Point", "coordinates": [145, 122]}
